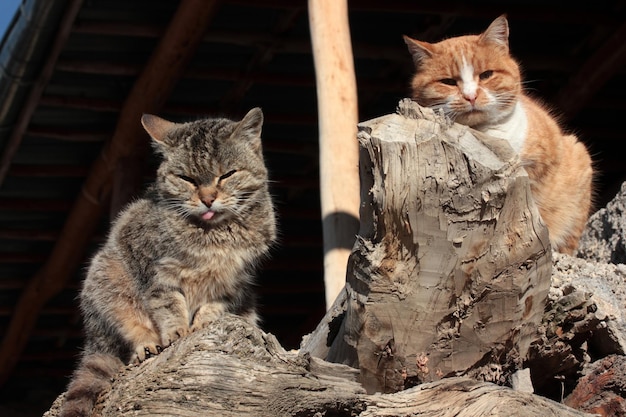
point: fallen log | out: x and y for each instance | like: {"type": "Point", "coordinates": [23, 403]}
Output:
{"type": "Point", "coordinates": [234, 369]}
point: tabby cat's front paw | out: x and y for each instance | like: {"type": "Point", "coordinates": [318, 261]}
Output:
{"type": "Point", "coordinates": [144, 351]}
{"type": "Point", "coordinates": [173, 334]}
{"type": "Point", "coordinates": [207, 314]}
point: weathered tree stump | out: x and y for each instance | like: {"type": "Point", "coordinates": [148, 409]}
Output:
{"type": "Point", "coordinates": [451, 269]}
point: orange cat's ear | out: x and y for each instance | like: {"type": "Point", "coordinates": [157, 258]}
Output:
{"type": "Point", "coordinates": [157, 127]}
{"type": "Point", "coordinates": [250, 127]}
{"type": "Point", "coordinates": [419, 50]}
{"type": "Point", "coordinates": [497, 33]}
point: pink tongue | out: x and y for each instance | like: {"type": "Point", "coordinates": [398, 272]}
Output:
{"type": "Point", "coordinates": [208, 215]}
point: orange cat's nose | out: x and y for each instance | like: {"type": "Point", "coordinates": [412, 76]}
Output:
{"type": "Point", "coordinates": [471, 97]}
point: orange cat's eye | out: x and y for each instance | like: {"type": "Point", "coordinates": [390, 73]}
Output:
{"type": "Point", "coordinates": [485, 74]}
{"type": "Point", "coordinates": [448, 81]}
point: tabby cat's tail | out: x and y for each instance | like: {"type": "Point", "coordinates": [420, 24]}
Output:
{"type": "Point", "coordinates": [91, 378]}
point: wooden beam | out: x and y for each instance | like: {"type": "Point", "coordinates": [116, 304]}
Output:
{"type": "Point", "coordinates": [82, 103]}
{"type": "Point", "coordinates": [197, 73]}
{"type": "Point", "coordinates": [69, 135]}
{"type": "Point", "coordinates": [11, 284]}
{"type": "Point", "coordinates": [36, 235]}
{"type": "Point", "coordinates": [285, 146]}
{"type": "Point", "coordinates": [460, 8]}
{"type": "Point", "coordinates": [100, 67]}
{"type": "Point", "coordinates": [17, 132]}
{"type": "Point", "coordinates": [127, 180]}
{"type": "Point", "coordinates": [48, 170]}
{"type": "Point", "coordinates": [252, 39]}
{"type": "Point", "coordinates": [55, 356]}
{"type": "Point", "coordinates": [339, 156]}
{"type": "Point", "coordinates": [48, 311]}
{"type": "Point", "coordinates": [45, 205]}
{"type": "Point", "coordinates": [607, 61]}
{"type": "Point", "coordinates": [149, 93]}
{"type": "Point", "coordinates": [21, 258]}
{"type": "Point", "coordinates": [138, 30]}
{"type": "Point", "coordinates": [263, 56]}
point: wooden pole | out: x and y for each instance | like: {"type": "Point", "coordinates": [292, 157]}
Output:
{"type": "Point", "coordinates": [149, 93]}
{"type": "Point", "coordinates": [338, 117]}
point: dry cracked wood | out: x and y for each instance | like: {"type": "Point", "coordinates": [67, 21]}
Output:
{"type": "Point", "coordinates": [451, 269]}
{"type": "Point", "coordinates": [234, 369]}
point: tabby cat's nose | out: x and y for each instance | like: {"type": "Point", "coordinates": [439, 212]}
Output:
{"type": "Point", "coordinates": [207, 195]}
{"type": "Point", "coordinates": [208, 200]}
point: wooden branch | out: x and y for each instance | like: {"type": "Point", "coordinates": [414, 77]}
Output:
{"type": "Point", "coordinates": [234, 369]}
{"type": "Point", "coordinates": [451, 269]}
{"type": "Point", "coordinates": [149, 93]}
{"type": "Point", "coordinates": [337, 112]}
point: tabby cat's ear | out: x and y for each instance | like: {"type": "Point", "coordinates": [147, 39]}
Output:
{"type": "Point", "coordinates": [250, 127]}
{"type": "Point", "coordinates": [419, 50]}
{"type": "Point", "coordinates": [157, 127]}
{"type": "Point", "coordinates": [497, 33]}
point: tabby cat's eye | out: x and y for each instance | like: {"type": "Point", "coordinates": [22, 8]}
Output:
{"type": "Point", "coordinates": [448, 81]}
{"type": "Point", "coordinates": [228, 174]}
{"type": "Point", "coordinates": [187, 179]}
{"type": "Point", "coordinates": [485, 74]}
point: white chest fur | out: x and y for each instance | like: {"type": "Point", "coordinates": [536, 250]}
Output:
{"type": "Point", "coordinates": [513, 128]}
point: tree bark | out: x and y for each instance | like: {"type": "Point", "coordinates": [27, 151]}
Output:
{"type": "Point", "coordinates": [234, 369]}
{"type": "Point", "coordinates": [451, 269]}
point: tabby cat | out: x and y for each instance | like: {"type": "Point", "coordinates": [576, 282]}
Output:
{"type": "Point", "coordinates": [474, 80]}
{"type": "Point", "coordinates": [181, 255]}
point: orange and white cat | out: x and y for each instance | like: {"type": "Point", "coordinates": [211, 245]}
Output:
{"type": "Point", "coordinates": [474, 80]}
